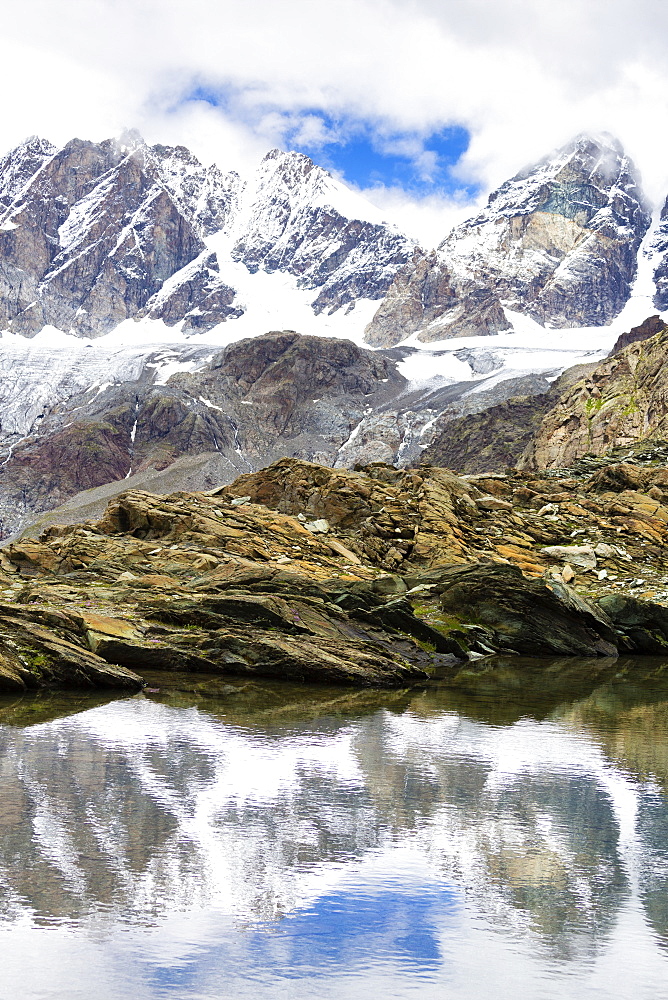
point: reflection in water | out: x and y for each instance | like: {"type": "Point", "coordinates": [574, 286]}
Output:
{"type": "Point", "coordinates": [295, 842]}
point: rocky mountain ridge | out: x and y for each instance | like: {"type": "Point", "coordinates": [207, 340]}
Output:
{"type": "Point", "coordinates": [322, 400]}
{"type": "Point", "coordinates": [94, 234]}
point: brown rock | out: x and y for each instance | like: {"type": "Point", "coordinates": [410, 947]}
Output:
{"type": "Point", "coordinates": [623, 401]}
{"type": "Point", "coordinates": [426, 296]}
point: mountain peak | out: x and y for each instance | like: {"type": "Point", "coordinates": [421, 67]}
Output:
{"type": "Point", "coordinates": [289, 156]}
{"type": "Point", "coordinates": [37, 144]}
{"type": "Point", "coordinates": [603, 140]}
{"type": "Point", "coordinates": [130, 139]}
{"type": "Point", "coordinates": [20, 164]}
{"type": "Point", "coordinates": [575, 179]}
{"type": "Point", "coordinates": [292, 167]}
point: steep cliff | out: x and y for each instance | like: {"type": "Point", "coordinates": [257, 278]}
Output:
{"type": "Point", "coordinates": [558, 242]}
{"type": "Point", "coordinates": [624, 400]}
{"type": "Point", "coordinates": [97, 233]}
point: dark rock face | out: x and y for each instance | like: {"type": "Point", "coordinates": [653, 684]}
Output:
{"type": "Point", "coordinates": [644, 623]}
{"type": "Point", "coordinates": [489, 441]}
{"type": "Point", "coordinates": [645, 330]}
{"type": "Point", "coordinates": [558, 242]}
{"type": "Point", "coordinates": [527, 616]}
{"type": "Point", "coordinates": [89, 239]}
{"type": "Point", "coordinates": [497, 437]}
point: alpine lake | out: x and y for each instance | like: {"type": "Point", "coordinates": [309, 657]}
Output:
{"type": "Point", "coordinates": [503, 836]}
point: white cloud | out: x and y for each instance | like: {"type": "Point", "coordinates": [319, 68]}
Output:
{"type": "Point", "coordinates": [522, 76]}
{"type": "Point", "coordinates": [426, 218]}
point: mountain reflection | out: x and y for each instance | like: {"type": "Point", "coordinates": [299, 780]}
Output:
{"type": "Point", "coordinates": [550, 823]}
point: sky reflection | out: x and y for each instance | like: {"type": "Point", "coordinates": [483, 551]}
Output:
{"type": "Point", "coordinates": [209, 852]}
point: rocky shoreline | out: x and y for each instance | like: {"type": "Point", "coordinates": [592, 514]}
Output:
{"type": "Point", "coordinates": [375, 577]}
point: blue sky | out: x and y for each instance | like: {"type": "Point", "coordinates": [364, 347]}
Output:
{"type": "Point", "coordinates": [365, 166]}
{"type": "Point", "coordinates": [364, 154]}
{"type": "Point", "coordinates": [416, 164]}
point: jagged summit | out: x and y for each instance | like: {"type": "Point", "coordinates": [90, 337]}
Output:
{"type": "Point", "coordinates": [575, 181]}
{"type": "Point", "coordinates": [20, 164]}
{"type": "Point", "coordinates": [559, 242]}
{"type": "Point", "coordinates": [590, 181]}
{"type": "Point", "coordinates": [130, 138]}
{"type": "Point", "coordinates": [93, 234]}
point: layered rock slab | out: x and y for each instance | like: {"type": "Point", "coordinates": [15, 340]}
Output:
{"type": "Point", "coordinates": [532, 617]}
{"type": "Point", "coordinates": [253, 609]}
{"type": "Point", "coordinates": [43, 647]}
{"type": "Point", "coordinates": [285, 574]}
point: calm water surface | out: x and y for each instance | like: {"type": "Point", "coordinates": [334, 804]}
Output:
{"type": "Point", "coordinates": [506, 839]}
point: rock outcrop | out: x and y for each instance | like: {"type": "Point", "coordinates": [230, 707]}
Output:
{"type": "Point", "coordinates": [645, 623]}
{"type": "Point", "coordinates": [44, 647]}
{"type": "Point", "coordinates": [491, 441]}
{"type": "Point", "coordinates": [621, 402]}
{"type": "Point", "coordinates": [645, 330]}
{"type": "Point", "coordinates": [378, 577]}
{"type": "Point", "coordinates": [427, 295]}
{"type": "Point", "coordinates": [523, 616]}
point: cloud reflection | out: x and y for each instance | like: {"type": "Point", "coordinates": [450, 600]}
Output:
{"type": "Point", "coordinates": [324, 845]}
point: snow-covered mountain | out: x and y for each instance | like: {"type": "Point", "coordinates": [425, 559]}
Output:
{"type": "Point", "coordinates": [126, 268]}
{"type": "Point", "coordinates": [558, 242]}
{"type": "Point", "coordinates": [94, 234]}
